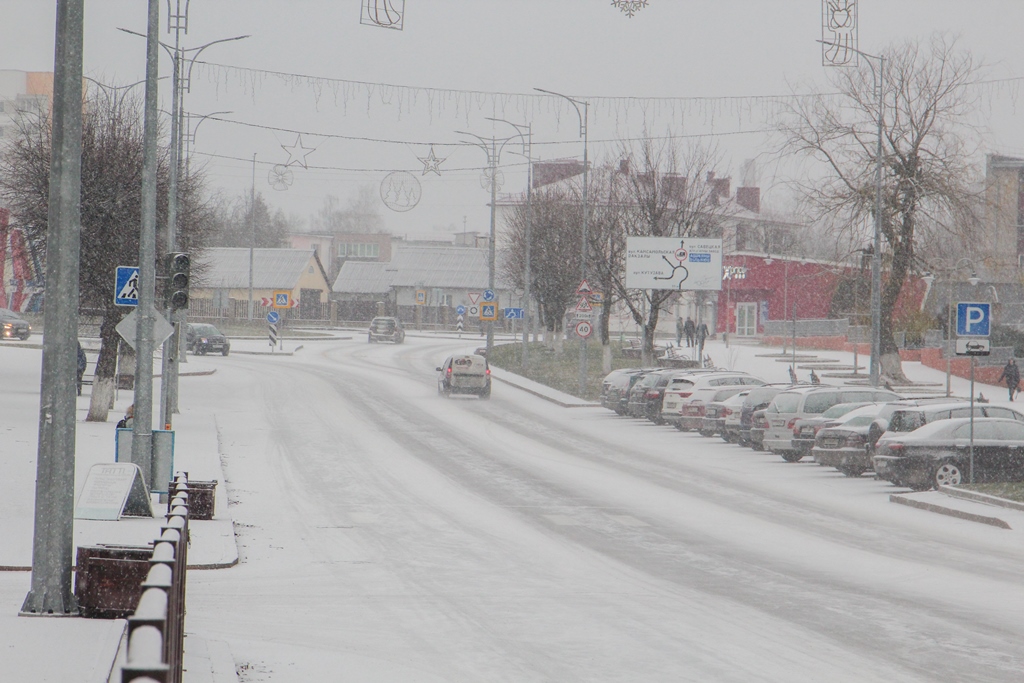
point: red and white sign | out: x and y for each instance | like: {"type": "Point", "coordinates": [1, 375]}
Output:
{"type": "Point", "coordinates": [584, 305]}
{"type": "Point", "coordinates": [584, 288]}
{"type": "Point", "coordinates": [473, 297]}
{"type": "Point", "coordinates": [584, 329]}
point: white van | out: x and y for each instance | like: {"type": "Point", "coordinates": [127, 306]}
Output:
{"type": "Point", "coordinates": [464, 374]}
{"type": "Point", "coordinates": [791, 405]}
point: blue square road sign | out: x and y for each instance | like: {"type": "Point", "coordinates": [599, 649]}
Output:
{"type": "Point", "coordinates": [973, 319]}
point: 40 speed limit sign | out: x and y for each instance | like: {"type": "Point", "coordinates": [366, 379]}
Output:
{"type": "Point", "coordinates": [584, 328]}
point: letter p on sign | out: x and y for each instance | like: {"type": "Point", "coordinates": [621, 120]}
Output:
{"type": "Point", "coordinates": [973, 319]}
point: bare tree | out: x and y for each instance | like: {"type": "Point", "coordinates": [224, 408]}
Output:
{"type": "Point", "coordinates": [245, 223]}
{"type": "Point", "coordinates": [360, 216]}
{"type": "Point", "coordinates": [667, 193]}
{"type": "Point", "coordinates": [112, 150]}
{"type": "Point", "coordinates": [927, 177]}
{"type": "Point", "coordinates": [555, 234]}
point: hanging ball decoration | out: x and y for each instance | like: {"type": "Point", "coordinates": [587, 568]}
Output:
{"type": "Point", "coordinates": [400, 191]}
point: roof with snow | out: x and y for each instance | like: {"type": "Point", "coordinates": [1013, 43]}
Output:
{"type": "Point", "coordinates": [418, 266]}
{"type": "Point", "coordinates": [228, 267]}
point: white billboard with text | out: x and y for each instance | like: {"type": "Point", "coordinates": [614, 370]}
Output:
{"type": "Point", "coordinates": [679, 263]}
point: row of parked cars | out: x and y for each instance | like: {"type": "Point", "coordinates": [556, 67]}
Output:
{"type": "Point", "coordinates": [915, 442]}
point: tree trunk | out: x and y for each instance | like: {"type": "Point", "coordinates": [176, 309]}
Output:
{"type": "Point", "coordinates": [890, 364]}
{"type": "Point", "coordinates": [104, 382]}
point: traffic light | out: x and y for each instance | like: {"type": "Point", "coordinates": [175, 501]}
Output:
{"type": "Point", "coordinates": [176, 292]}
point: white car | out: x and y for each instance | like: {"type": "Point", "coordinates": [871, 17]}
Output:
{"type": "Point", "coordinates": [683, 388]}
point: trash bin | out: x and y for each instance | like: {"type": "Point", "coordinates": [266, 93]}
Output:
{"type": "Point", "coordinates": [201, 499]}
{"type": "Point", "coordinates": [108, 579]}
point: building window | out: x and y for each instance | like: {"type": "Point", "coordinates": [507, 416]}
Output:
{"type": "Point", "coordinates": [359, 249]}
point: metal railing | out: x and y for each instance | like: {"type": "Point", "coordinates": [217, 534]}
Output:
{"type": "Point", "coordinates": [156, 631]}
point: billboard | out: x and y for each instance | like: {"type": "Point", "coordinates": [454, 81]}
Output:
{"type": "Point", "coordinates": [679, 263]}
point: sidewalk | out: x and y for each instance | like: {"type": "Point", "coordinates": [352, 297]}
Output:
{"type": "Point", "coordinates": [88, 648]}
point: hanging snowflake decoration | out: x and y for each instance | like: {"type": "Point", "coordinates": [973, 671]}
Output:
{"type": "Point", "coordinates": [280, 177]}
{"type": "Point", "coordinates": [400, 191]}
{"type": "Point", "coordinates": [383, 13]}
{"type": "Point", "coordinates": [485, 179]}
{"type": "Point", "coordinates": [630, 7]}
{"type": "Point", "coordinates": [431, 164]}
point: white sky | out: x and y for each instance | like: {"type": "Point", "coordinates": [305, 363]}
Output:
{"type": "Point", "coordinates": [585, 48]}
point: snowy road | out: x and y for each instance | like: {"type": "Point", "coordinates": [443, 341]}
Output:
{"type": "Point", "coordinates": [389, 534]}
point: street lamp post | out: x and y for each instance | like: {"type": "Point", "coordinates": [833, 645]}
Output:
{"type": "Point", "coordinates": [876, 260]}
{"type": "Point", "coordinates": [527, 151]}
{"type": "Point", "coordinates": [493, 152]}
{"type": "Point", "coordinates": [583, 116]}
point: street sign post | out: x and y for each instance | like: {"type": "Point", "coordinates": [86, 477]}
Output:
{"type": "Point", "coordinates": [973, 320]}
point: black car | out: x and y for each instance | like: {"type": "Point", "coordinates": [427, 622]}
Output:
{"type": "Point", "coordinates": [939, 453]}
{"type": "Point", "coordinates": [386, 329]}
{"type": "Point", "coordinates": [12, 326]}
{"type": "Point", "coordinates": [202, 338]}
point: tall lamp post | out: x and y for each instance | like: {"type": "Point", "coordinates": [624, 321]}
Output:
{"type": "Point", "coordinates": [876, 260]}
{"type": "Point", "coordinates": [493, 151]}
{"type": "Point", "coordinates": [583, 116]}
{"type": "Point", "coordinates": [527, 151]}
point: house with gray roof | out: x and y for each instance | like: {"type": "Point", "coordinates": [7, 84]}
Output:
{"type": "Point", "coordinates": [423, 284]}
{"type": "Point", "coordinates": [221, 283]}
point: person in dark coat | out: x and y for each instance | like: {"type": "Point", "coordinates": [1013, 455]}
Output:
{"type": "Point", "coordinates": [81, 367]}
{"type": "Point", "coordinates": [689, 329]}
{"type": "Point", "coordinates": [679, 332]}
{"type": "Point", "coordinates": [1011, 373]}
{"type": "Point", "coordinates": [792, 375]}
{"type": "Point", "coordinates": [701, 333]}
{"type": "Point", "coordinates": [814, 377]}
{"type": "Point", "coordinates": [128, 421]}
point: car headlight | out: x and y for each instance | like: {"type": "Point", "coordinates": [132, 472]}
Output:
{"type": "Point", "coordinates": [203, 340]}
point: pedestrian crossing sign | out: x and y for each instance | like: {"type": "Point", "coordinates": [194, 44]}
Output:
{"type": "Point", "coordinates": [126, 286]}
{"type": "Point", "coordinates": [489, 311]}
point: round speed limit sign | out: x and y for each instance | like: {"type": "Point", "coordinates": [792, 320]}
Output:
{"type": "Point", "coordinates": [584, 329]}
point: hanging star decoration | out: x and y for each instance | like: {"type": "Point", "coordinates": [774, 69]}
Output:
{"type": "Point", "coordinates": [297, 153]}
{"type": "Point", "coordinates": [630, 7]}
{"type": "Point", "coordinates": [431, 164]}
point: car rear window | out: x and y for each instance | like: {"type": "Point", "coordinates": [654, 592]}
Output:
{"type": "Point", "coordinates": [784, 403]}
{"type": "Point", "coordinates": [820, 402]}
{"type": "Point", "coordinates": [906, 420]}
{"type": "Point", "coordinates": [859, 421]}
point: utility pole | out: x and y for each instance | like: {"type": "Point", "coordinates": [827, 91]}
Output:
{"type": "Point", "coordinates": [142, 431]}
{"type": "Point", "coordinates": [252, 228]}
{"type": "Point", "coordinates": [53, 539]}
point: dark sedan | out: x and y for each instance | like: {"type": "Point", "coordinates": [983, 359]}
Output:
{"type": "Point", "coordinates": [938, 454]}
{"type": "Point", "coordinates": [845, 445]}
{"type": "Point", "coordinates": [12, 326]}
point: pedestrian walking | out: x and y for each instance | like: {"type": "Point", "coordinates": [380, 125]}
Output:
{"type": "Point", "coordinates": [701, 333]}
{"type": "Point", "coordinates": [1011, 373]}
{"type": "Point", "coordinates": [679, 332]}
{"type": "Point", "coordinates": [689, 329]}
{"type": "Point", "coordinates": [128, 421]}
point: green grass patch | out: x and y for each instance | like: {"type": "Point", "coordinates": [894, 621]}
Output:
{"type": "Point", "coordinates": [562, 371]}
{"type": "Point", "coordinates": [1008, 490]}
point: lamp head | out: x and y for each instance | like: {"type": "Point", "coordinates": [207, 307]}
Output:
{"type": "Point", "coordinates": [928, 278]}
{"type": "Point", "coordinates": [974, 279]}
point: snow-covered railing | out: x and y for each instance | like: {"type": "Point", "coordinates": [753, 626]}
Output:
{"type": "Point", "coordinates": [156, 631]}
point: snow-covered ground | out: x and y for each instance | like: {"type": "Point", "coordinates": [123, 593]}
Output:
{"type": "Point", "coordinates": [386, 533]}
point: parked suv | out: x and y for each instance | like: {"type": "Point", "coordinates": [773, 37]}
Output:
{"type": "Point", "coordinates": [11, 325]}
{"type": "Point", "coordinates": [202, 338]}
{"type": "Point", "coordinates": [689, 385]}
{"type": "Point", "coordinates": [386, 329]}
{"type": "Point", "coordinates": [789, 406]}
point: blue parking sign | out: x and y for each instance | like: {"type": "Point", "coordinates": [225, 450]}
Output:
{"type": "Point", "coordinates": [973, 319]}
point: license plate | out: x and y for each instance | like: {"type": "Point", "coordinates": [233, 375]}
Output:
{"type": "Point", "coordinates": [829, 443]}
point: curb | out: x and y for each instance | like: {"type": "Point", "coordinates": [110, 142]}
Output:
{"type": "Point", "coordinates": [931, 507]}
{"type": "Point", "coordinates": [550, 399]}
{"type": "Point", "coordinates": [964, 494]}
